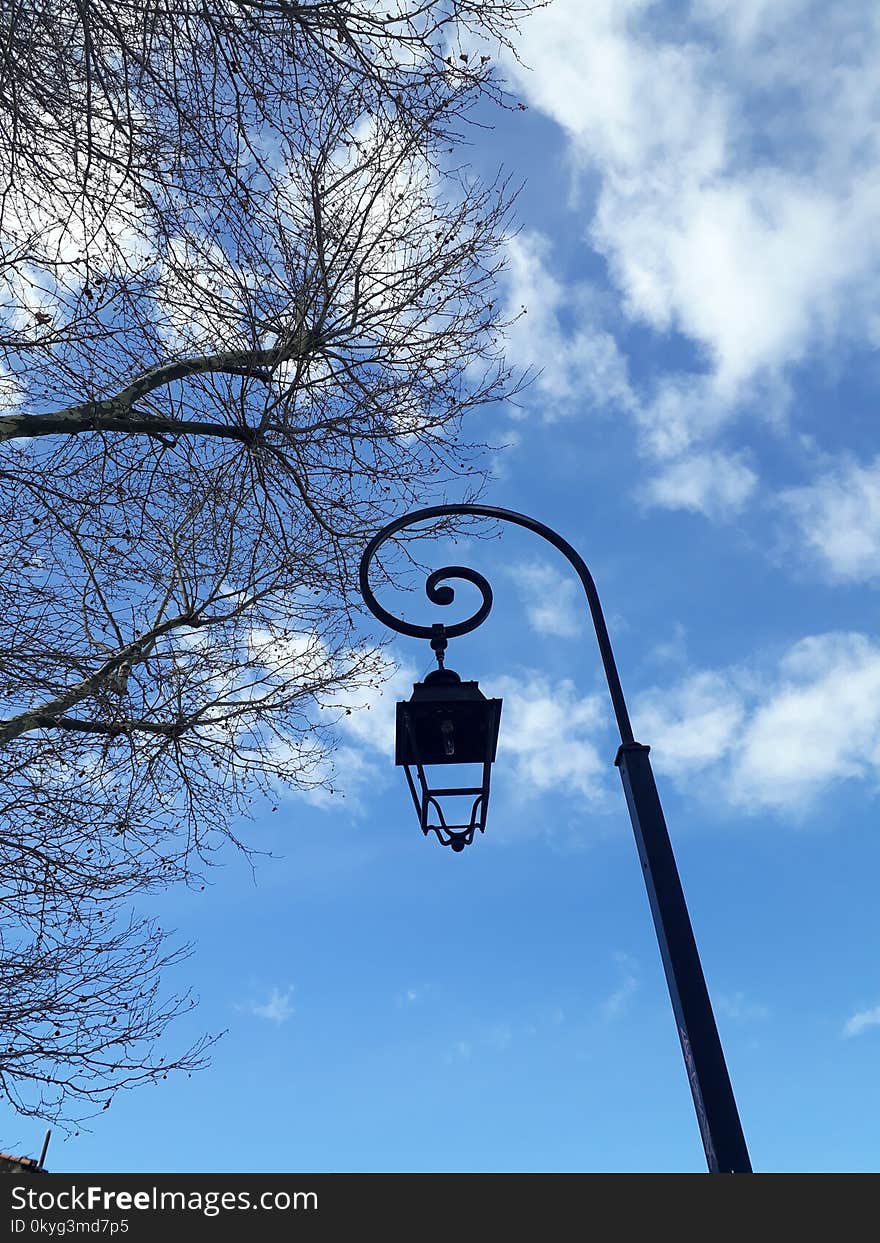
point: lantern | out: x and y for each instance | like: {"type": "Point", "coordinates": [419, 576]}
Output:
{"type": "Point", "coordinates": [446, 722]}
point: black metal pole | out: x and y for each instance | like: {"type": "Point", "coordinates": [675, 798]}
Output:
{"type": "Point", "coordinates": [714, 1102]}
{"type": "Point", "coordinates": [717, 1115]}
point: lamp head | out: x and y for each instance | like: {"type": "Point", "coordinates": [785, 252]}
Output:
{"type": "Point", "coordinates": [448, 721]}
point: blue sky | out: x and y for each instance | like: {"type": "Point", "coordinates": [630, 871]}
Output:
{"type": "Point", "coordinates": [698, 258]}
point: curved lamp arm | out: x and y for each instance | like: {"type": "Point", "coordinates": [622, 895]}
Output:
{"type": "Point", "coordinates": [445, 595]}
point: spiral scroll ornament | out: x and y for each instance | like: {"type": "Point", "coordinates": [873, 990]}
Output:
{"type": "Point", "coordinates": [436, 589]}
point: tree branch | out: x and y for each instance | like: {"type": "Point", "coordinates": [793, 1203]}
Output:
{"type": "Point", "coordinates": [112, 729]}
{"type": "Point", "coordinates": [38, 718]}
{"type": "Point", "coordinates": [118, 414]}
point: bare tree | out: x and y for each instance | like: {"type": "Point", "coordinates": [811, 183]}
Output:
{"type": "Point", "coordinates": [248, 298]}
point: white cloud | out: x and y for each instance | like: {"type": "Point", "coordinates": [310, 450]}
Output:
{"type": "Point", "coordinates": [344, 777]}
{"type": "Point", "coordinates": [368, 718]}
{"type": "Point", "coordinates": [554, 601]}
{"type": "Point", "coordinates": [618, 1000]}
{"type": "Point", "coordinates": [580, 368]}
{"type": "Point", "coordinates": [738, 157]}
{"type": "Point", "coordinates": [837, 517]}
{"type": "Point", "coordinates": [509, 440]}
{"type": "Point", "coordinates": [739, 1008]}
{"type": "Point", "coordinates": [364, 717]}
{"type": "Point", "coordinates": [775, 742]}
{"type": "Point", "coordinates": [769, 739]}
{"type": "Point", "coordinates": [548, 729]}
{"type": "Point", "coordinates": [861, 1021]}
{"type": "Point", "coordinates": [692, 724]}
{"type": "Point", "coordinates": [745, 19]}
{"type": "Point", "coordinates": [277, 1009]}
{"type": "Point", "coordinates": [715, 484]}
{"type": "Point", "coordinates": [11, 394]}
{"type": "Point", "coordinates": [744, 266]}
{"type": "Point", "coordinates": [673, 650]}
{"type": "Point", "coordinates": [56, 232]}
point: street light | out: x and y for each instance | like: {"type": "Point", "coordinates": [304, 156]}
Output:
{"type": "Point", "coordinates": [447, 721]}
{"type": "Point", "coordinates": [715, 1106]}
